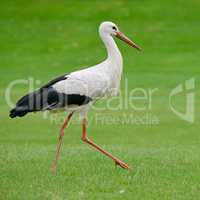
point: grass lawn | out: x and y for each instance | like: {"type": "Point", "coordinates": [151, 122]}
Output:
{"type": "Point", "coordinates": [43, 39]}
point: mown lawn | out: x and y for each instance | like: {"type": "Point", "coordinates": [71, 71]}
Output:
{"type": "Point", "coordinates": [42, 39]}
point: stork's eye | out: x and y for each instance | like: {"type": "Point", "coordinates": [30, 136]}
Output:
{"type": "Point", "coordinates": [114, 28]}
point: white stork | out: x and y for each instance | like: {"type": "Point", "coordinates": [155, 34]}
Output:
{"type": "Point", "coordinates": [77, 91]}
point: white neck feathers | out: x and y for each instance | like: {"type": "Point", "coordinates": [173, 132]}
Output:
{"type": "Point", "coordinates": [113, 52]}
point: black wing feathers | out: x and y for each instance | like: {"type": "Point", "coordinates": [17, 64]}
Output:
{"type": "Point", "coordinates": [52, 82]}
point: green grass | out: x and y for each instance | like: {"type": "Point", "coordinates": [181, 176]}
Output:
{"type": "Point", "coordinates": [43, 39]}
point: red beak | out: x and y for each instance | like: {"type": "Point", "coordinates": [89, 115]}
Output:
{"type": "Point", "coordinates": [122, 37]}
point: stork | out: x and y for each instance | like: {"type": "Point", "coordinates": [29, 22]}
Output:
{"type": "Point", "coordinates": [77, 91]}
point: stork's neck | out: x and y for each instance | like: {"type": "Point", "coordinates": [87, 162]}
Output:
{"type": "Point", "coordinates": [114, 62]}
{"type": "Point", "coordinates": [113, 52]}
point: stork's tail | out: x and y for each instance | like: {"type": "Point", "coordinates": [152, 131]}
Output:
{"type": "Point", "coordinates": [22, 107]}
{"type": "Point", "coordinates": [32, 102]}
{"type": "Point", "coordinates": [17, 112]}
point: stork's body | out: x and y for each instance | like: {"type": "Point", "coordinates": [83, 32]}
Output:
{"type": "Point", "coordinates": [76, 91]}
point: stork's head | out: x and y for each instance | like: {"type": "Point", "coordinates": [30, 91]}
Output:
{"type": "Point", "coordinates": [109, 28]}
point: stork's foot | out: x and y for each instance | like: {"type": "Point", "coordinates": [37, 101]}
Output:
{"type": "Point", "coordinates": [122, 164]}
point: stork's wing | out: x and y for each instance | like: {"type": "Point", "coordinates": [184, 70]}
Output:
{"type": "Point", "coordinates": [48, 98]}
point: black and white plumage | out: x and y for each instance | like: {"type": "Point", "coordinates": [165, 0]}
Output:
{"type": "Point", "coordinates": [78, 90]}
{"type": "Point", "coordinates": [48, 98]}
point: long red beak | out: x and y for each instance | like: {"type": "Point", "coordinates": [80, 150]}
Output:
{"type": "Point", "coordinates": [122, 37]}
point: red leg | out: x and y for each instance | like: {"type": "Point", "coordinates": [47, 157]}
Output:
{"type": "Point", "coordinates": [87, 140]}
{"type": "Point", "coordinates": [55, 161]}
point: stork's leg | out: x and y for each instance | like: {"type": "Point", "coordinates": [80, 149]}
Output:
{"type": "Point", "coordinates": [87, 140]}
{"type": "Point", "coordinates": [59, 143]}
